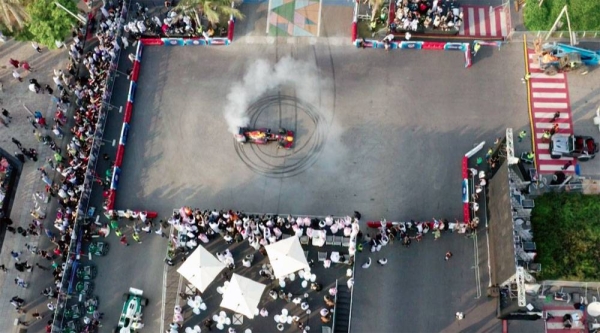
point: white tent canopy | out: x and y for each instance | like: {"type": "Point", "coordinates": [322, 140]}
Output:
{"type": "Point", "coordinates": [201, 268]}
{"type": "Point", "coordinates": [286, 257]}
{"type": "Point", "coordinates": [243, 295]}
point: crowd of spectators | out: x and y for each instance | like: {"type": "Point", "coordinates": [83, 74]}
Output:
{"type": "Point", "coordinates": [88, 89]}
{"type": "Point", "coordinates": [423, 15]}
{"type": "Point", "coordinates": [174, 23]}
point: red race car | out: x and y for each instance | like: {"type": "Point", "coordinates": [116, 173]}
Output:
{"type": "Point", "coordinates": [262, 136]}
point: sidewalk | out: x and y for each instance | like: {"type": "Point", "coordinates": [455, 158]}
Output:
{"type": "Point", "coordinates": [12, 97]}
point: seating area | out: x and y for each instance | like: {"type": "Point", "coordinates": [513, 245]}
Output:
{"type": "Point", "coordinates": [426, 15]}
{"type": "Point", "coordinates": [244, 244]}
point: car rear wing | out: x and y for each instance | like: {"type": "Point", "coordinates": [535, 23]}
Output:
{"type": "Point", "coordinates": [135, 291]}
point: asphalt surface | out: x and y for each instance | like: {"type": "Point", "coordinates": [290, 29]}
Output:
{"type": "Point", "coordinates": [396, 124]}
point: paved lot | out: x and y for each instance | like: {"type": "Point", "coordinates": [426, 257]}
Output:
{"type": "Point", "coordinates": [392, 125]}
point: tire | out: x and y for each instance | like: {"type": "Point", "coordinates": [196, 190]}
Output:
{"type": "Point", "coordinates": [125, 297]}
{"type": "Point", "coordinates": [584, 159]}
{"type": "Point", "coordinates": [117, 329]}
{"type": "Point", "coordinates": [145, 302]}
{"type": "Point", "coordinates": [554, 157]}
{"type": "Point", "coordinates": [551, 71]}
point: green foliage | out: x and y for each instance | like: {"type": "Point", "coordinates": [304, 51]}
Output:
{"type": "Point", "coordinates": [584, 14]}
{"type": "Point", "coordinates": [566, 228]}
{"type": "Point", "coordinates": [50, 23]}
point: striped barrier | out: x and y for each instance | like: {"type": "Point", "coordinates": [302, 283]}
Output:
{"type": "Point", "coordinates": [200, 41]}
{"type": "Point", "coordinates": [404, 45]}
{"type": "Point", "coordinates": [116, 174]}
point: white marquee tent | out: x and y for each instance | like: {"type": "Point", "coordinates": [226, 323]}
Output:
{"type": "Point", "coordinates": [286, 256]}
{"type": "Point", "coordinates": [243, 295]}
{"type": "Point", "coordinates": [201, 268]}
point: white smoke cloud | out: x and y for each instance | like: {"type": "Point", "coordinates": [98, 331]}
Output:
{"type": "Point", "coordinates": [263, 77]}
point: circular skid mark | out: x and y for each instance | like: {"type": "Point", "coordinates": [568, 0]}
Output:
{"type": "Point", "coordinates": [268, 160]}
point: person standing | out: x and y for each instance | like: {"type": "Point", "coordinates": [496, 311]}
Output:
{"type": "Point", "coordinates": [25, 66]}
{"type": "Point", "coordinates": [14, 63]}
{"type": "Point", "coordinates": [36, 47]}
{"type": "Point", "coordinates": [522, 135]}
{"type": "Point", "coordinates": [448, 256]}
{"type": "Point", "coordinates": [556, 116]}
{"type": "Point", "coordinates": [6, 115]}
{"type": "Point", "coordinates": [123, 240]}
{"type": "Point", "coordinates": [17, 76]}
{"type": "Point", "coordinates": [49, 89]}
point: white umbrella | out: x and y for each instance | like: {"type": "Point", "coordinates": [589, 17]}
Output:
{"type": "Point", "coordinates": [242, 295]}
{"type": "Point", "coordinates": [201, 268]}
{"type": "Point", "coordinates": [286, 257]}
{"type": "Point", "coordinates": [593, 309]}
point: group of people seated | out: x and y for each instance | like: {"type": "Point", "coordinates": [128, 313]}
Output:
{"type": "Point", "coordinates": [416, 15]}
{"type": "Point", "coordinates": [174, 23]}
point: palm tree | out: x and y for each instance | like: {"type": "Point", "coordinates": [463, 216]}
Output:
{"type": "Point", "coordinates": [13, 13]}
{"type": "Point", "coordinates": [214, 10]}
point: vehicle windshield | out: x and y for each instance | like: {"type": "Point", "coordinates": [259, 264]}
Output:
{"type": "Point", "coordinates": [571, 143]}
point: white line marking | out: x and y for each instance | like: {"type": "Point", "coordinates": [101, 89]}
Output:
{"type": "Point", "coordinates": [471, 20]}
{"type": "Point", "coordinates": [482, 19]}
{"type": "Point", "coordinates": [543, 146]}
{"type": "Point", "coordinates": [563, 115]}
{"type": "Point", "coordinates": [494, 31]}
{"type": "Point", "coordinates": [548, 85]}
{"type": "Point", "coordinates": [549, 95]}
{"type": "Point", "coordinates": [550, 125]}
{"type": "Point", "coordinates": [553, 167]}
{"type": "Point", "coordinates": [540, 75]}
{"type": "Point", "coordinates": [503, 24]}
{"type": "Point", "coordinates": [546, 157]}
{"type": "Point", "coordinates": [542, 105]}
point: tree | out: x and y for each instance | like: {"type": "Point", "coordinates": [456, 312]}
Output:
{"type": "Point", "coordinates": [214, 10]}
{"type": "Point", "coordinates": [49, 23]}
{"type": "Point", "coordinates": [13, 14]}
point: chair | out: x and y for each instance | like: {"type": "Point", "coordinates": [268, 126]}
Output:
{"type": "Point", "coordinates": [337, 240]}
{"type": "Point", "coordinates": [346, 241]}
{"type": "Point", "coordinates": [322, 256]}
{"type": "Point", "coordinates": [304, 240]}
{"type": "Point", "coordinates": [329, 240]}
{"type": "Point", "coordinates": [284, 236]}
{"type": "Point", "coordinates": [318, 238]}
{"type": "Point", "coordinates": [325, 329]}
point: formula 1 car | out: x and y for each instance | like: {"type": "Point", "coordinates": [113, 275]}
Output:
{"type": "Point", "coordinates": [583, 148]}
{"type": "Point", "coordinates": [131, 316]}
{"type": "Point", "coordinates": [262, 136]}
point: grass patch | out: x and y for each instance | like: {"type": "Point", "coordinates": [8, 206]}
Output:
{"type": "Point", "coordinates": [566, 229]}
{"type": "Point", "coordinates": [584, 15]}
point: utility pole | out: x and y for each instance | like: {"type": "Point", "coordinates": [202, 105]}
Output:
{"type": "Point", "coordinates": [76, 16]}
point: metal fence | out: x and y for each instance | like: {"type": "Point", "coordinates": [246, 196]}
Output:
{"type": "Point", "coordinates": [84, 200]}
{"type": "Point", "coordinates": [584, 185]}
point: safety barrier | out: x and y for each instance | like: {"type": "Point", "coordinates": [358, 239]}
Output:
{"type": "Point", "coordinates": [194, 41]}
{"type": "Point", "coordinates": [393, 45]}
{"type": "Point", "coordinates": [116, 174]}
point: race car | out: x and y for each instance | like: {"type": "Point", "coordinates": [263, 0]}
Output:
{"type": "Point", "coordinates": [262, 136]}
{"type": "Point", "coordinates": [131, 316]}
{"type": "Point", "coordinates": [583, 148]}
